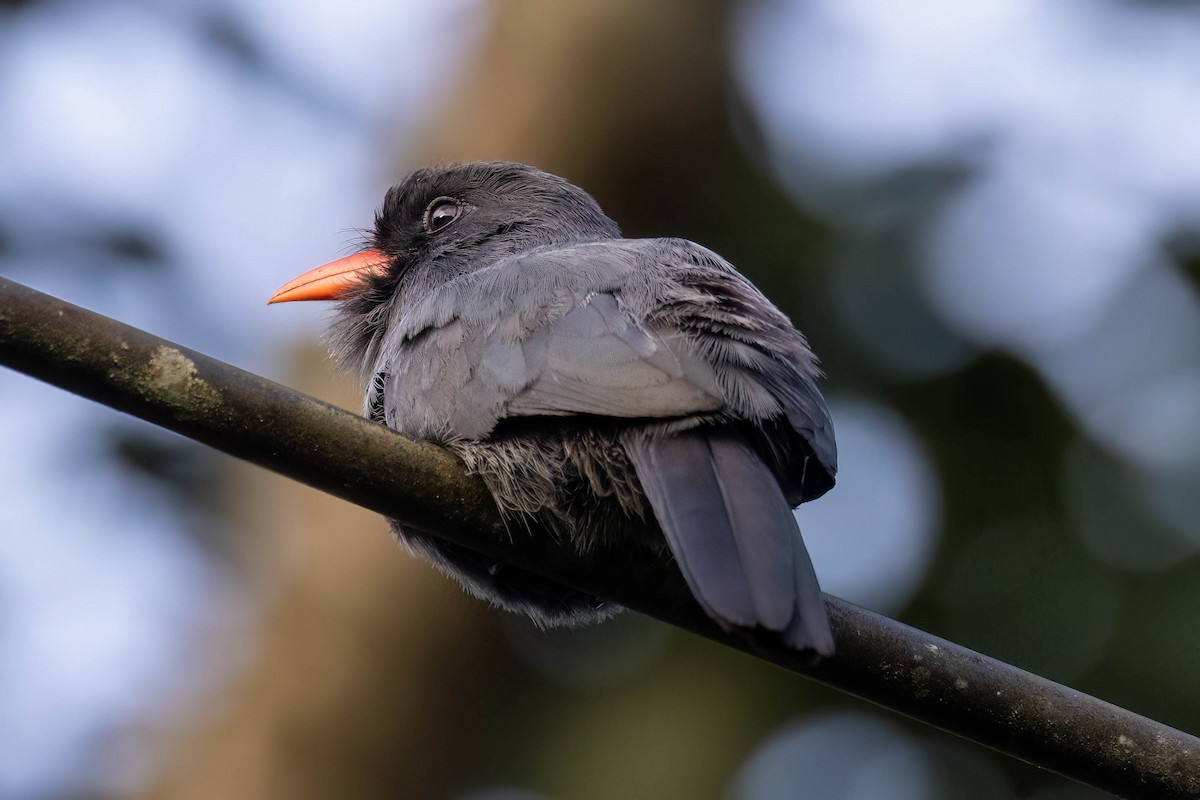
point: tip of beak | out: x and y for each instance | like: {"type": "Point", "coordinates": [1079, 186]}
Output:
{"type": "Point", "coordinates": [288, 292]}
{"type": "Point", "coordinates": [280, 296]}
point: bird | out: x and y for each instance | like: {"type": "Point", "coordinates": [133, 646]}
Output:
{"type": "Point", "coordinates": [596, 384]}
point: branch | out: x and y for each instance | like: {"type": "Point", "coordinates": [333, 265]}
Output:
{"type": "Point", "coordinates": [879, 659]}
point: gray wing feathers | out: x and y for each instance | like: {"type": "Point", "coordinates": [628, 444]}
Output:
{"type": "Point", "coordinates": [591, 360]}
{"type": "Point", "coordinates": [595, 360]}
{"type": "Point", "coordinates": [733, 535]}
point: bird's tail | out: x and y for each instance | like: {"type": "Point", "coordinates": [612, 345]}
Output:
{"type": "Point", "coordinates": [733, 534]}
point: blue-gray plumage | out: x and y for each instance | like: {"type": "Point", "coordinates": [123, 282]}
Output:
{"type": "Point", "coordinates": [592, 381]}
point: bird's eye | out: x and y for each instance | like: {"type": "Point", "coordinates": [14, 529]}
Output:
{"type": "Point", "coordinates": [441, 212]}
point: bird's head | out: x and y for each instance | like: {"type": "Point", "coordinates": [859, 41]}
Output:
{"type": "Point", "coordinates": [438, 223]}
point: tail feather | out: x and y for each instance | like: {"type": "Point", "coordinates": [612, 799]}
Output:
{"type": "Point", "coordinates": [680, 480]}
{"type": "Point", "coordinates": [809, 629]}
{"type": "Point", "coordinates": [734, 536]}
{"type": "Point", "coordinates": [761, 529]}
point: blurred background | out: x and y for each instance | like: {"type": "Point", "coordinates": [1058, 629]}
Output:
{"type": "Point", "coordinates": [984, 215]}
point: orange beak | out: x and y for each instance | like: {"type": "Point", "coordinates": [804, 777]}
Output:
{"type": "Point", "coordinates": [330, 281]}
